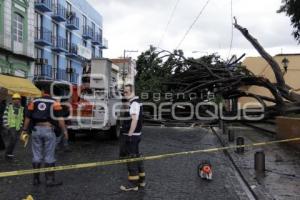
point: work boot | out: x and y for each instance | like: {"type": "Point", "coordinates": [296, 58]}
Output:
{"type": "Point", "coordinates": [129, 187]}
{"type": "Point", "coordinates": [142, 174]}
{"type": "Point", "coordinates": [142, 180]}
{"type": "Point", "coordinates": [50, 177]}
{"type": "Point", "coordinates": [36, 176]}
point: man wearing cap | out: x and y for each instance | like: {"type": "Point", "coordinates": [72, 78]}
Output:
{"type": "Point", "coordinates": [13, 120]}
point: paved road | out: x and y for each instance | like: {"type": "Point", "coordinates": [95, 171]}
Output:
{"type": "Point", "coordinates": [173, 178]}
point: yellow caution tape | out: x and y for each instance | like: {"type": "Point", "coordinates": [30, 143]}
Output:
{"type": "Point", "coordinates": [123, 161]}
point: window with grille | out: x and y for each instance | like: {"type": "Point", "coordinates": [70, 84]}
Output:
{"type": "Point", "coordinates": [69, 7]}
{"type": "Point", "coordinates": [93, 51]}
{"type": "Point", "coordinates": [18, 27]}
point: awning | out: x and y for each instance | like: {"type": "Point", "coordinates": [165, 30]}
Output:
{"type": "Point", "coordinates": [19, 85]}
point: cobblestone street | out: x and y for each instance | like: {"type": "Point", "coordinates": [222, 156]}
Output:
{"type": "Point", "coordinates": [173, 178]}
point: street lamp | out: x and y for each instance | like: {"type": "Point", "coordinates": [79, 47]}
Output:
{"type": "Point", "coordinates": [285, 63]}
{"type": "Point", "coordinates": [124, 63]}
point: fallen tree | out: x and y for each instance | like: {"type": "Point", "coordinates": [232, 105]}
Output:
{"type": "Point", "coordinates": [210, 74]}
{"type": "Point", "coordinates": [286, 91]}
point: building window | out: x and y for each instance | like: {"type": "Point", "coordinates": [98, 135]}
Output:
{"type": "Point", "coordinates": [54, 33]}
{"type": "Point", "coordinates": [100, 33]}
{"type": "Point", "coordinates": [69, 40]}
{"type": "Point", "coordinates": [84, 20]}
{"type": "Point", "coordinates": [93, 51]}
{"type": "Point", "coordinates": [55, 60]}
{"type": "Point", "coordinates": [84, 43]}
{"type": "Point", "coordinates": [18, 27]}
{"type": "Point", "coordinates": [100, 53]}
{"type": "Point", "coordinates": [93, 28]}
{"type": "Point", "coordinates": [69, 67]}
{"type": "Point", "coordinates": [69, 7]}
{"type": "Point", "coordinates": [69, 63]}
{"type": "Point", "coordinates": [38, 20]}
{"type": "Point", "coordinates": [38, 53]}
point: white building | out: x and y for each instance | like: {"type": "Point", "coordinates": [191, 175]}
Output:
{"type": "Point", "coordinates": [127, 71]}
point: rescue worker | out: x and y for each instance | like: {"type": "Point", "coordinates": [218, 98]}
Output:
{"type": "Point", "coordinates": [131, 136]}
{"type": "Point", "coordinates": [13, 120]}
{"type": "Point", "coordinates": [42, 113]}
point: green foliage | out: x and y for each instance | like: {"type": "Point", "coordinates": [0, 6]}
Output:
{"type": "Point", "coordinates": [212, 59]}
{"type": "Point", "coordinates": [292, 9]}
{"type": "Point", "coordinates": [152, 71]}
{"type": "Point", "coordinates": [155, 68]}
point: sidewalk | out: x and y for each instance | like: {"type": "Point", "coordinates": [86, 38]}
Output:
{"type": "Point", "coordinates": [282, 178]}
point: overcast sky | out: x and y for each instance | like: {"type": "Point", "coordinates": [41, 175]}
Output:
{"type": "Point", "coordinates": [136, 24]}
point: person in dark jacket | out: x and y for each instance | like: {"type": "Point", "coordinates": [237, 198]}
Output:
{"type": "Point", "coordinates": [2, 109]}
{"type": "Point", "coordinates": [131, 137]}
{"type": "Point", "coordinates": [42, 113]}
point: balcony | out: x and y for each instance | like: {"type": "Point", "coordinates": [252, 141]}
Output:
{"type": "Point", "coordinates": [42, 36]}
{"type": "Point", "coordinates": [72, 75]}
{"type": "Point", "coordinates": [104, 44]}
{"type": "Point", "coordinates": [72, 51]}
{"type": "Point", "coordinates": [72, 22]}
{"type": "Point", "coordinates": [43, 5]}
{"type": "Point", "coordinates": [74, 78]}
{"type": "Point", "coordinates": [62, 75]}
{"type": "Point", "coordinates": [43, 72]}
{"type": "Point", "coordinates": [59, 44]}
{"type": "Point", "coordinates": [54, 73]}
{"type": "Point", "coordinates": [87, 32]}
{"type": "Point", "coordinates": [97, 39]}
{"type": "Point", "coordinates": [59, 13]}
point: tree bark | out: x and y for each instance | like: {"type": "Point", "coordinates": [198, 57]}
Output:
{"type": "Point", "coordinates": [263, 53]}
{"type": "Point", "coordinates": [282, 87]}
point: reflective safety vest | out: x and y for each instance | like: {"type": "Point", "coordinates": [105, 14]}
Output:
{"type": "Point", "coordinates": [15, 121]}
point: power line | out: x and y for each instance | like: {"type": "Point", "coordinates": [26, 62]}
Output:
{"type": "Point", "coordinates": [194, 22]}
{"type": "Point", "coordinates": [231, 40]}
{"type": "Point", "coordinates": [169, 22]}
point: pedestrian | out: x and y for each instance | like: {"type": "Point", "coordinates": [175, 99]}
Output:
{"type": "Point", "coordinates": [13, 120]}
{"type": "Point", "coordinates": [2, 109]}
{"type": "Point", "coordinates": [131, 137]}
{"type": "Point", "coordinates": [42, 113]}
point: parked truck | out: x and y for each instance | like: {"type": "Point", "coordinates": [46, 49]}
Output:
{"type": "Point", "coordinates": [93, 105]}
{"type": "Point", "coordinates": [96, 102]}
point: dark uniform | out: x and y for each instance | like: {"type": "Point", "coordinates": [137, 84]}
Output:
{"type": "Point", "coordinates": [130, 144]}
{"type": "Point", "coordinates": [2, 109]}
{"type": "Point", "coordinates": [40, 111]}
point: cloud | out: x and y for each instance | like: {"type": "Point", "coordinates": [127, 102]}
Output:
{"type": "Point", "coordinates": [136, 24]}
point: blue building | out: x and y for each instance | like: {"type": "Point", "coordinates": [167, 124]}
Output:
{"type": "Point", "coordinates": [68, 33]}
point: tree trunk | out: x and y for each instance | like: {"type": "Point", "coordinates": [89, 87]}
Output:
{"type": "Point", "coordinates": [282, 87]}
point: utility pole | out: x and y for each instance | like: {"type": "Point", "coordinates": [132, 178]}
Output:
{"type": "Point", "coordinates": [124, 64]}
